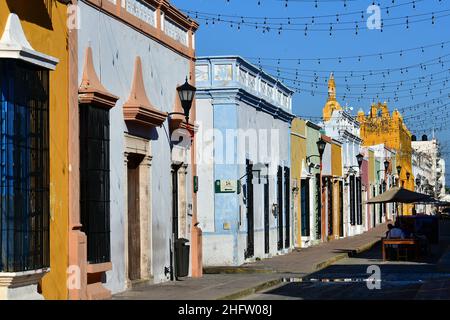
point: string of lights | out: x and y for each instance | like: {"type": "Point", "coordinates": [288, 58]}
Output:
{"type": "Point", "coordinates": [355, 58]}
{"type": "Point", "coordinates": [411, 82]}
{"type": "Point", "coordinates": [426, 105]}
{"type": "Point", "coordinates": [426, 78]}
{"type": "Point", "coordinates": [427, 81]}
{"type": "Point", "coordinates": [347, 79]}
{"type": "Point", "coordinates": [360, 72]}
{"type": "Point", "coordinates": [218, 16]}
{"type": "Point", "coordinates": [268, 24]}
{"type": "Point", "coordinates": [372, 96]}
{"type": "Point", "coordinates": [315, 2]}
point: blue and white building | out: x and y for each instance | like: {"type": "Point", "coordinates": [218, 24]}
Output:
{"type": "Point", "coordinates": [340, 125]}
{"type": "Point", "coordinates": [243, 159]}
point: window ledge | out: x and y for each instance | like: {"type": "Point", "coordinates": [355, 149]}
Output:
{"type": "Point", "coordinates": [23, 278]}
{"type": "Point", "coordinates": [98, 267]}
{"type": "Point", "coordinates": [143, 115]}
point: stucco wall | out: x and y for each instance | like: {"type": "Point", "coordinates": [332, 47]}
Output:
{"type": "Point", "coordinates": [298, 159]}
{"type": "Point", "coordinates": [336, 154]}
{"type": "Point", "coordinates": [313, 136]}
{"type": "Point", "coordinates": [205, 164]}
{"type": "Point", "coordinates": [327, 160]}
{"type": "Point", "coordinates": [249, 119]}
{"type": "Point", "coordinates": [115, 47]}
{"type": "Point", "coordinates": [47, 34]}
{"type": "Point", "coordinates": [225, 227]}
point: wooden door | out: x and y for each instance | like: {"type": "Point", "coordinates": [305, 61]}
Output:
{"type": "Point", "coordinates": [134, 231]}
{"type": "Point", "coordinates": [250, 213]}
{"type": "Point", "coordinates": [266, 217]}
{"type": "Point", "coordinates": [280, 207]}
{"type": "Point", "coordinates": [287, 207]}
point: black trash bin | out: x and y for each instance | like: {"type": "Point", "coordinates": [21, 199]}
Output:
{"type": "Point", "coordinates": [182, 257]}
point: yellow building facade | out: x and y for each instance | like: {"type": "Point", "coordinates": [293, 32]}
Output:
{"type": "Point", "coordinates": [382, 127]}
{"type": "Point", "coordinates": [42, 24]}
{"type": "Point", "coordinates": [298, 161]}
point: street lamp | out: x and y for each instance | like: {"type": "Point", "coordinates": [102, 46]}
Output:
{"type": "Point", "coordinates": [321, 144]}
{"type": "Point", "coordinates": [386, 168]}
{"type": "Point", "coordinates": [418, 181]}
{"type": "Point", "coordinates": [186, 92]}
{"type": "Point", "coordinates": [386, 165]}
{"type": "Point", "coordinates": [399, 171]}
{"type": "Point", "coordinates": [360, 158]}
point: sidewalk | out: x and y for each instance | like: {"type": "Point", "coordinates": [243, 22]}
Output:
{"type": "Point", "coordinates": [238, 282]}
{"type": "Point", "coordinates": [308, 260]}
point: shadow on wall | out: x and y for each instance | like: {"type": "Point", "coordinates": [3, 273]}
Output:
{"type": "Point", "coordinates": [33, 11]}
{"type": "Point", "coordinates": [146, 133]}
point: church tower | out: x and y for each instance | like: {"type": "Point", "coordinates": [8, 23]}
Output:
{"type": "Point", "coordinates": [331, 104]}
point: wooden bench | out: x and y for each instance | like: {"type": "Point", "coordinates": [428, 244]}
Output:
{"type": "Point", "coordinates": [408, 243]}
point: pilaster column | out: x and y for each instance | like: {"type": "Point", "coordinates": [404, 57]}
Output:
{"type": "Point", "coordinates": [145, 216]}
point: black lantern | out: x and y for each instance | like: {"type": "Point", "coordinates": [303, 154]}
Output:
{"type": "Point", "coordinates": [386, 165]}
{"type": "Point", "coordinates": [186, 92]}
{"type": "Point", "coordinates": [418, 181]}
{"type": "Point", "coordinates": [399, 170]}
{"type": "Point", "coordinates": [321, 144]}
{"type": "Point", "coordinates": [360, 158]}
{"type": "Point", "coordinates": [408, 175]}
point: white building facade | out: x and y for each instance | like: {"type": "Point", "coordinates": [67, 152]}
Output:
{"type": "Point", "coordinates": [132, 57]}
{"type": "Point", "coordinates": [429, 166]}
{"type": "Point", "coordinates": [243, 160]}
{"type": "Point", "coordinates": [340, 125]}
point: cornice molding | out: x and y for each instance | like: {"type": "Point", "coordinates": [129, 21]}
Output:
{"type": "Point", "coordinates": [155, 33]}
{"type": "Point", "coordinates": [234, 95]}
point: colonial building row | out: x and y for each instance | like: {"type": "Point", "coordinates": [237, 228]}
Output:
{"type": "Point", "coordinates": [94, 190]}
{"type": "Point", "coordinates": [127, 160]}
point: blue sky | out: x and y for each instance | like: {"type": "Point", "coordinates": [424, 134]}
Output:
{"type": "Point", "coordinates": [426, 82]}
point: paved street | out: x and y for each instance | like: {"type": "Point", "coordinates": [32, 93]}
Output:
{"type": "Point", "coordinates": [235, 282]}
{"type": "Point", "coordinates": [333, 270]}
{"type": "Point", "coordinates": [399, 280]}
{"type": "Point", "coordinates": [347, 279]}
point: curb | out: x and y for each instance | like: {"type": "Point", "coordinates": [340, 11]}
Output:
{"type": "Point", "coordinates": [330, 261]}
{"type": "Point", "coordinates": [368, 246]}
{"type": "Point", "coordinates": [319, 266]}
{"type": "Point", "coordinates": [252, 290]}
{"type": "Point", "coordinates": [235, 270]}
